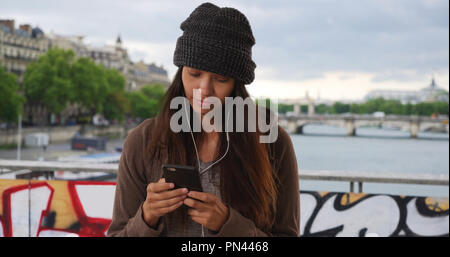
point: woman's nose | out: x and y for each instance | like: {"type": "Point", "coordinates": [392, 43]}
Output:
{"type": "Point", "coordinates": [206, 85]}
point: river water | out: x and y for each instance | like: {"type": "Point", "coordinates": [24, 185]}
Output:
{"type": "Point", "coordinates": [324, 147]}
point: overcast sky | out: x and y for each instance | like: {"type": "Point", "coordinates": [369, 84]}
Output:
{"type": "Point", "coordinates": [336, 49]}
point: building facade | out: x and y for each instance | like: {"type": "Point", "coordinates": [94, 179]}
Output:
{"type": "Point", "coordinates": [115, 57]}
{"type": "Point", "coordinates": [432, 93]}
{"type": "Point", "coordinates": [142, 74]}
{"type": "Point", "coordinates": [74, 43]}
{"type": "Point", "coordinates": [20, 46]}
{"type": "Point", "coordinates": [111, 57]}
{"type": "Point", "coordinates": [23, 45]}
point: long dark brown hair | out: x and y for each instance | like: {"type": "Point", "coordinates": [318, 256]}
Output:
{"type": "Point", "coordinates": [248, 182]}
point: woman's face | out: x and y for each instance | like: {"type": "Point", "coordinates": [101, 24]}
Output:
{"type": "Point", "coordinates": [209, 83]}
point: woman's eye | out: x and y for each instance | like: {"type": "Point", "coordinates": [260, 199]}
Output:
{"type": "Point", "coordinates": [222, 80]}
{"type": "Point", "coordinates": [195, 74]}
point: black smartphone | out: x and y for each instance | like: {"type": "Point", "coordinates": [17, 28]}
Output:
{"type": "Point", "coordinates": [182, 177]}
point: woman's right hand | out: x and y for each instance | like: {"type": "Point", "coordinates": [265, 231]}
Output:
{"type": "Point", "coordinates": [161, 200]}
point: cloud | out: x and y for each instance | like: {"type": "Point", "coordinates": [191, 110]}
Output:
{"type": "Point", "coordinates": [331, 86]}
{"type": "Point", "coordinates": [296, 41]}
{"type": "Point", "coordinates": [160, 53]}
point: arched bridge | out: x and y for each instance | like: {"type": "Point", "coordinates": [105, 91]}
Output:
{"type": "Point", "coordinates": [295, 123]}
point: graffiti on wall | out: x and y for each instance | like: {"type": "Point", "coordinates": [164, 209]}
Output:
{"type": "Point", "coordinates": [79, 208]}
{"type": "Point", "coordinates": [55, 208]}
{"type": "Point", "coordinates": [357, 214]}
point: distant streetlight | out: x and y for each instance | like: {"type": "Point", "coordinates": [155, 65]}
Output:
{"type": "Point", "coordinates": [19, 137]}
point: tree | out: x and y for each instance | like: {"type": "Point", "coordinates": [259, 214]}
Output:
{"type": "Point", "coordinates": [99, 90]}
{"type": "Point", "coordinates": [397, 108]}
{"type": "Point", "coordinates": [89, 86]}
{"type": "Point", "coordinates": [373, 105]}
{"type": "Point", "coordinates": [116, 103]}
{"type": "Point", "coordinates": [139, 105]}
{"type": "Point", "coordinates": [322, 109]}
{"type": "Point", "coordinates": [146, 102]}
{"type": "Point", "coordinates": [47, 83]}
{"type": "Point", "coordinates": [339, 107]}
{"type": "Point", "coordinates": [391, 107]}
{"type": "Point", "coordinates": [441, 108]}
{"type": "Point", "coordinates": [284, 108]}
{"type": "Point", "coordinates": [304, 108]}
{"type": "Point", "coordinates": [10, 100]}
{"type": "Point", "coordinates": [155, 93]}
{"type": "Point", "coordinates": [408, 109]}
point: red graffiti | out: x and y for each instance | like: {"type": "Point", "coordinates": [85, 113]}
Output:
{"type": "Point", "coordinates": [14, 222]}
{"type": "Point", "coordinates": [7, 217]}
{"type": "Point", "coordinates": [90, 226]}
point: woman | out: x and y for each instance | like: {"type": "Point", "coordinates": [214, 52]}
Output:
{"type": "Point", "coordinates": [249, 188]}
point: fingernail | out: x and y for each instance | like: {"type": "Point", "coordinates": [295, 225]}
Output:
{"type": "Point", "coordinates": [184, 190]}
{"type": "Point", "coordinates": [171, 185]}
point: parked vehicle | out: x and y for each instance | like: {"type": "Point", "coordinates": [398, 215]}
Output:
{"type": "Point", "coordinates": [378, 114]}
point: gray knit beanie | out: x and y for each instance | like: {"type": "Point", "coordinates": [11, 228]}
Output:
{"type": "Point", "coordinates": [217, 40]}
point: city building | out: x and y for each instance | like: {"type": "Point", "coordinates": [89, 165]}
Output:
{"type": "Point", "coordinates": [74, 43]}
{"type": "Point", "coordinates": [114, 57]}
{"type": "Point", "coordinates": [111, 56]}
{"type": "Point", "coordinates": [432, 93]}
{"type": "Point", "coordinates": [20, 46]}
{"type": "Point", "coordinates": [401, 95]}
{"type": "Point", "coordinates": [144, 74]}
{"type": "Point", "coordinates": [136, 74]}
{"type": "Point", "coordinates": [23, 45]}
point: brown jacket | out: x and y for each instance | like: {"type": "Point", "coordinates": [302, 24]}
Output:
{"type": "Point", "coordinates": [136, 172]}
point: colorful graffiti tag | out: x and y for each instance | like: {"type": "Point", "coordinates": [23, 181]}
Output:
{"type": "Point", "coordinates": [79, 208]}
{"type": "Point", "coordinates": [350, 214]}
{"type": "Point", "coordinates": [55, 208]}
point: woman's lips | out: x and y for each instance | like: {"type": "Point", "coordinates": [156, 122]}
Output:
{"type": "Point", "coordinates": [202, 103]}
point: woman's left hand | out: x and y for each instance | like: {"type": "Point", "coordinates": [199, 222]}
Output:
{"type": "Point", "coordinates": [207, 209]}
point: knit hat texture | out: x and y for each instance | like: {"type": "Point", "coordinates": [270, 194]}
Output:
{"type": "Point", "coordinates": [217, 40]}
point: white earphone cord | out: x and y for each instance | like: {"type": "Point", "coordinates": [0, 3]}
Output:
{"type": "Point", "coordinates": [195, 146]}
{"type": "Point", "coordinates": [196, 151]}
